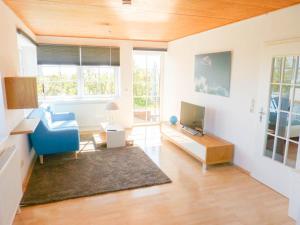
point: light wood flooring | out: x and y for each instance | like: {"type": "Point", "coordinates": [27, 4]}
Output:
{"type": "Point", "coordinates": [221, 196]}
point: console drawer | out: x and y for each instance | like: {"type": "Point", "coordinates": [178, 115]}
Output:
{"type": "Point", "coordinates": [183, 141]}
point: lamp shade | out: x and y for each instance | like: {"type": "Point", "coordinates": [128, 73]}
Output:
{"type": "Point", "coordinates": [111, 106]}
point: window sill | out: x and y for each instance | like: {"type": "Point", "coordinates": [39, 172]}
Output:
{"type": "Point", "coordinates": [77, 100]}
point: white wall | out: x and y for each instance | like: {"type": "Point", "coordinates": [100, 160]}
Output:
{"type": "Point", "coordinates": [90, 114]}
{"type": "Point", "coordinates": [229, 118]}
{"type": "Point", "coordinates": [28, 60]}
{"type": "Point", "coordinates": [3, 129]}
{"type": "Point", "coordinates": [9, 66]}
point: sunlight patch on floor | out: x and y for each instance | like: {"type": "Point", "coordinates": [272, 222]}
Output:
{"type": "Point", "coordinates": [147, 138]}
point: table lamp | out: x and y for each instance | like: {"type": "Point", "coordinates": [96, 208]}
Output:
{"type": "Point", "coordinates": [110, 107]}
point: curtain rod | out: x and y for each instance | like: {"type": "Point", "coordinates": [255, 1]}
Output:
{"type": "Point", "coordinates": [56, 44]}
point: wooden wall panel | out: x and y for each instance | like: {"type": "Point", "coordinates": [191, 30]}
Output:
{"type": "Point", "coordinates": [21, 92]}
{"type": "Point", "coordinates": [155, 20]}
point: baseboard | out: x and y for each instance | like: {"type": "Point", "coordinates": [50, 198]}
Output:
{"type": "Point", "coordinates": [29, 172]}
{"type": "Point", "coordinates": [242, 170]}
{"type": "Point", "coordinates": [249, 174]}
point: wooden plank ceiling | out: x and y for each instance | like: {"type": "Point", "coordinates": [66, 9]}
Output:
{"type": "Point", "coordinates": [152, 20]}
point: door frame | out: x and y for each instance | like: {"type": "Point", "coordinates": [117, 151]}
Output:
{"type": "Point", "coordinates": [270, 172]}
{"type": "Point", "coordinates": [161, 80]}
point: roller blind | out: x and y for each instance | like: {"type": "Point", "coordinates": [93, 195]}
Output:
{"type": "Point", "coordinates": [58, 55]}
{"type": "Point", "coordinates": [95, 56]}
{"type": "Point", "coordinates": [115, 56]}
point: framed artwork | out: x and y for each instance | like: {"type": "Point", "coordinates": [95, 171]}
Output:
{"type": "Point", "coordinates": [212, 73]}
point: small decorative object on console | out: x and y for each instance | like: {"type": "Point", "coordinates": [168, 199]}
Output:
{"type": "Point", "coordinates": [173, 120]}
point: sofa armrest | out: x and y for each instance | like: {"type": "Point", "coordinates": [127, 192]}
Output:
{"type": "Point", "coordinates": [54, 141]}
{"type": "Point", "coordinates": [63, 116]}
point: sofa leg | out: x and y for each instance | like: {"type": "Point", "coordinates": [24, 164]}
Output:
{"type": "Point", "coordinates": [76, 155]}
{"type": "Point", "coordinates": [41, 159]}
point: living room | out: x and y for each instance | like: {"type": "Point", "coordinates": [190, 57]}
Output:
{"type": "Point", "coordinates": [130, 75]}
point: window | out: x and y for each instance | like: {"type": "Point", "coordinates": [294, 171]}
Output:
{"type": "Point", "coordinates": [78, 72]}
{"type": "Point", "coordinates": [27, 58]}
{"type": "Point", "coordinates": [78, 81]}
{"type": "Point", "coordinates": [100, 81]}
{"type": "Point", "coordinates": [58, 81]}
{"type": "Point", "coordinates": [146, 86]}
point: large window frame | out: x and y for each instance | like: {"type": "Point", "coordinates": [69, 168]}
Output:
{"type": "Point", "coordinates": [80, 84]}
{"type": "Point", "coordinates": [151, 112]}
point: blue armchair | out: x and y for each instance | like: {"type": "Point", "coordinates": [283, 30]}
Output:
{"type": "Point", "coordinates": [56, 132]}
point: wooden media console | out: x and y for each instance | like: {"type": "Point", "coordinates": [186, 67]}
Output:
{"type": "Point", "coordinates": [208, 148]}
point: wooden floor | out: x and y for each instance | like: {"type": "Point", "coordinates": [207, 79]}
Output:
{"type": "Point", "coordinates": [222, 196]}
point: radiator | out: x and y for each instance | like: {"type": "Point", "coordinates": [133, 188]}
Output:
{"type": "Point", "coordinates": [10, 185]}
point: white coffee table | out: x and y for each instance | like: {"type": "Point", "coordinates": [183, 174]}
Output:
{"type": "Point", "coordinates": [115, 135]}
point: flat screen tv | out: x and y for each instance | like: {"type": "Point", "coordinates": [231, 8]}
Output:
{"type": "Point", "coordinates": [192, 116]}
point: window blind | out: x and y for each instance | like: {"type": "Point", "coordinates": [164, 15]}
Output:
{"type": "Point", "coordinates": [100, 56]}
{"type": "Point", "coordinates": [70, 55]}
{"type": "Point", "coordinates": [115, 56]}
{"type": "Point", "coordinates": [58, 55]}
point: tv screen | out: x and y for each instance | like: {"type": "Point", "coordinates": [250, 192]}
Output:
{"type": "Point", "coordinates": [192, 116]}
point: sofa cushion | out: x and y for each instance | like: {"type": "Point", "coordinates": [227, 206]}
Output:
{"type": "Point", "coordinates": [64, 124]}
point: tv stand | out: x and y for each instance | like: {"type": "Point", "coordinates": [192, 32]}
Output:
{"type": "Point", "coordinates": [208, 149]}
{"type": "Point", "coordinates": [193, 132]}
{"type": "Point", "coordinates": [190, 130]}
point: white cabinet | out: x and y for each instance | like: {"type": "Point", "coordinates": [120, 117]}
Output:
{"type": "Point", "coordinates": [183, 141]}
{"type": "Point", "coordinates": [115, 135]}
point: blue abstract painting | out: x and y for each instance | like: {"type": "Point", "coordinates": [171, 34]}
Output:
{"type": "Point", "coordinates": [212, 73]}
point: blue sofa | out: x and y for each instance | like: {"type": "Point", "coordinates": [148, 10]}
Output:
{"type": "Point", "coordinates": [56, 132]}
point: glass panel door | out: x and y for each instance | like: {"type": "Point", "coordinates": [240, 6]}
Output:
{"type": "Point", "coordinates": [146, 87]}
{"type": "Point", "coordinates": [283, 129]}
